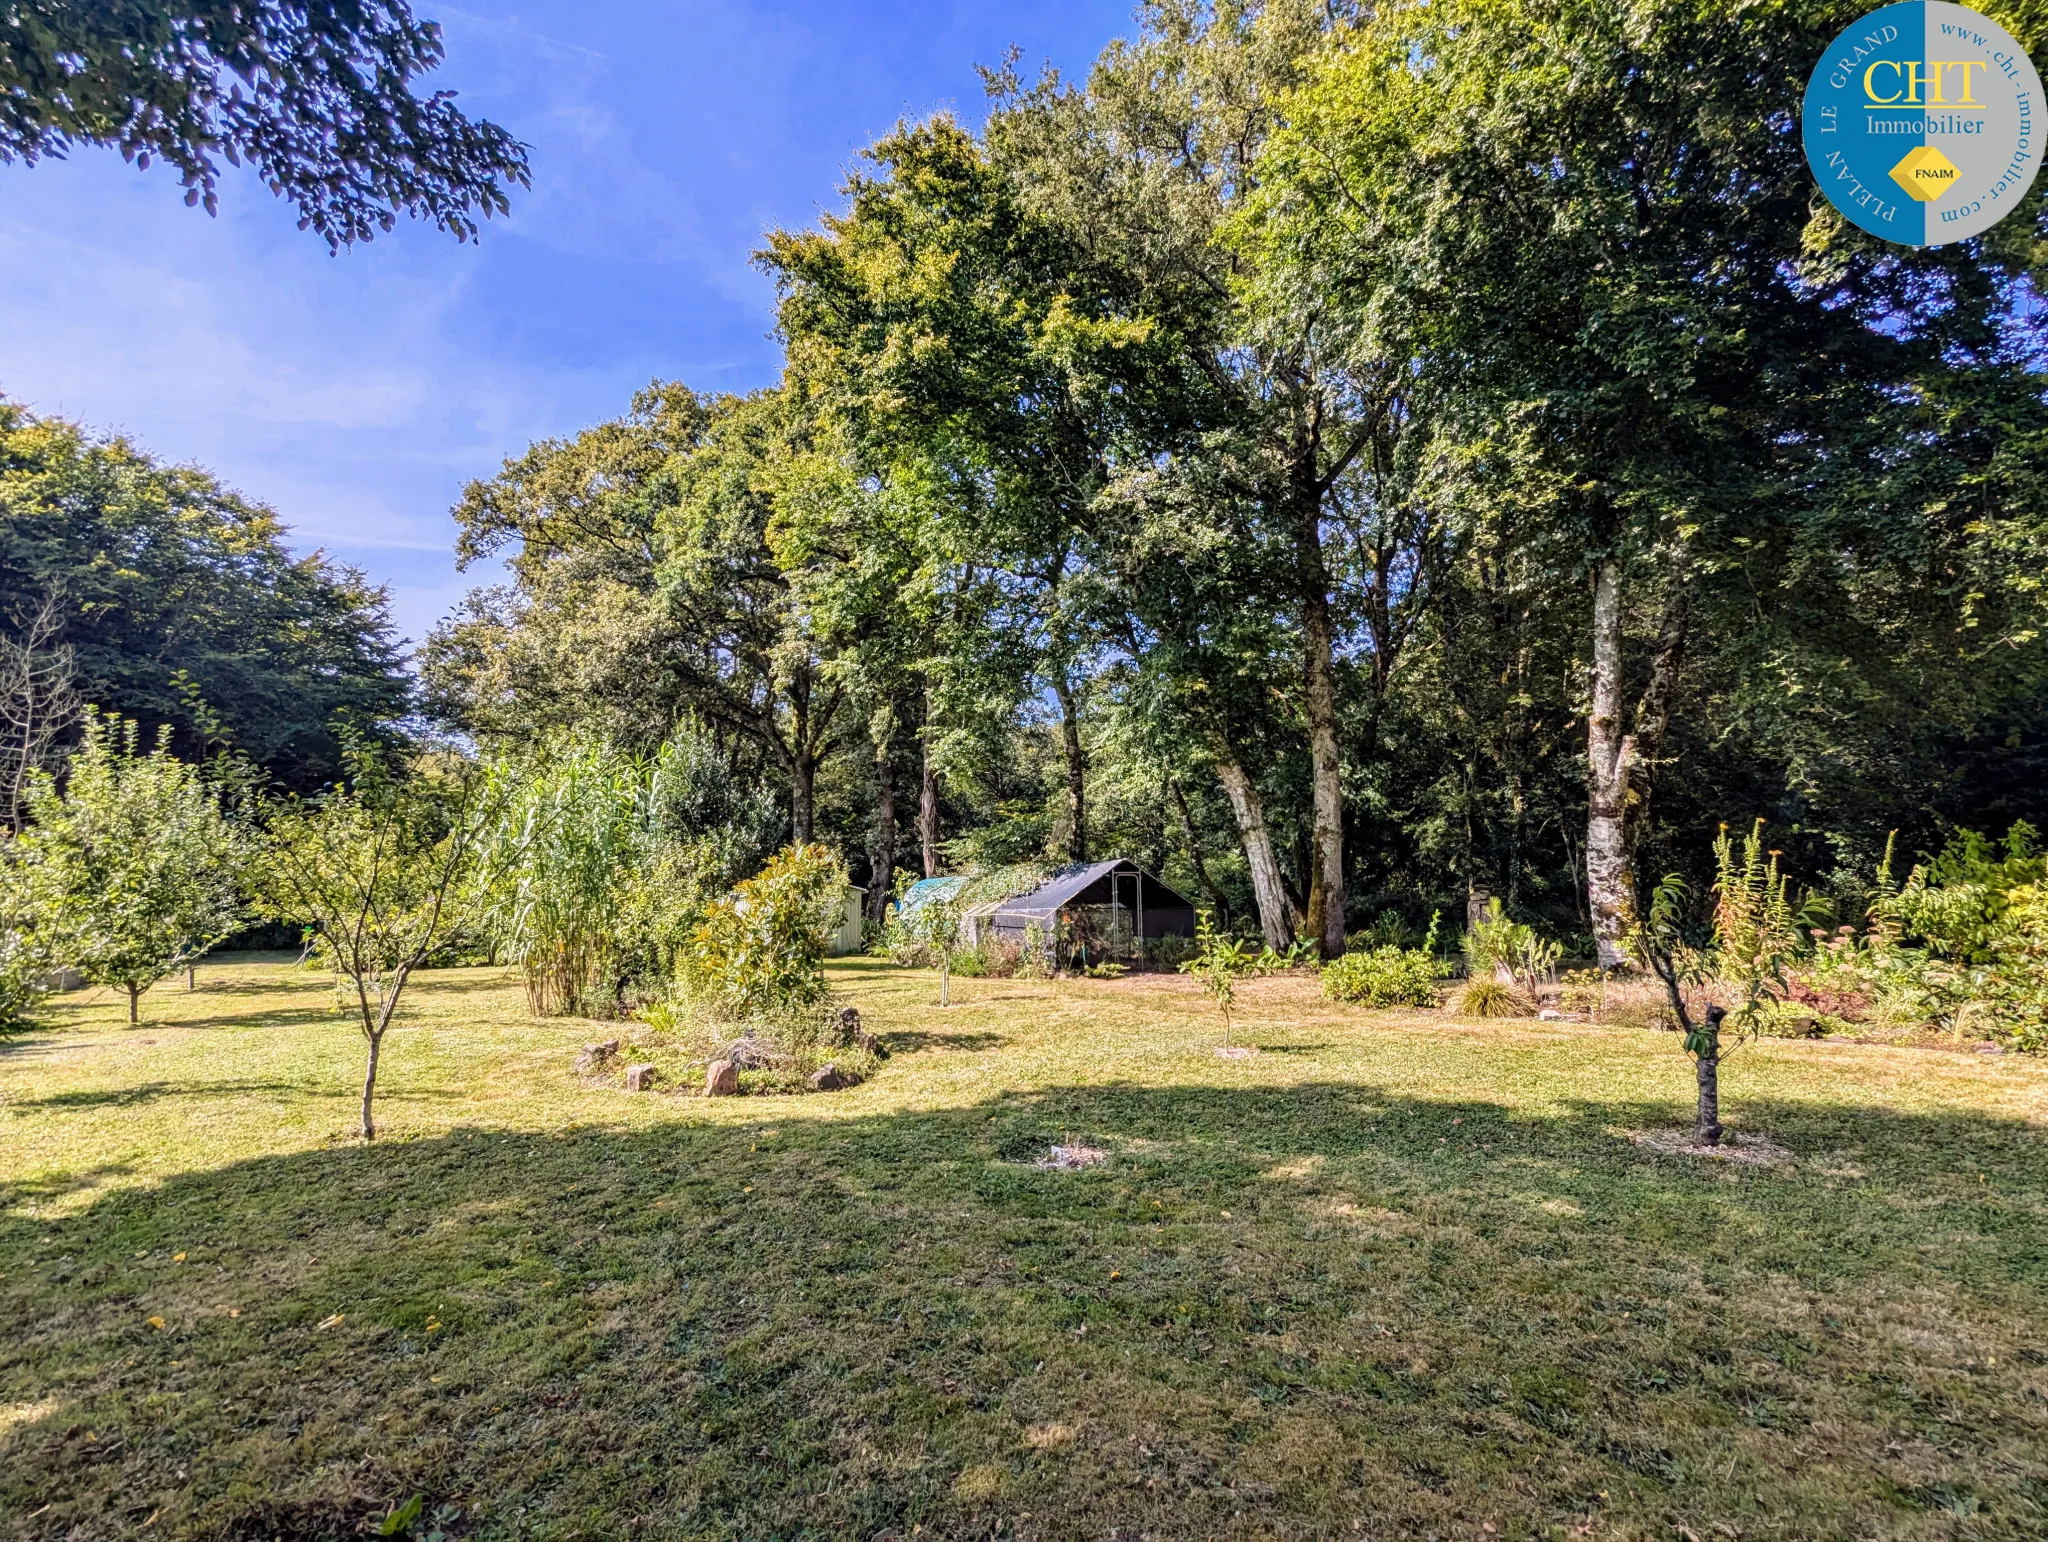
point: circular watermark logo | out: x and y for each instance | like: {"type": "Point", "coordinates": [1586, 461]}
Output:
{"type": "Point", "coordinates": [1924, 123]}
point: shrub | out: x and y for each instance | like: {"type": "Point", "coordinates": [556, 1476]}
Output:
{"type": "Point", "coordinates": [760, 951]}
{"type": "Point", "coordinates": [1169, 952]}
{"type": "Point", "coordinates": [23, 965]}
{"type": "Point", "coordinates": [1385, 977]}
{"type": "Point", "coordinates": [1584, 990]}
{"type": "Point", "coordinates": [1389, 929]}
{"type": "Point", "coordinates": [1487, 997]}
{"type": "Point", "coordinates": [1031, 961]}
{"type": "Point", "coordinates": [1496, 944]}
{"type": "Point", "coordinates": [991, 958]}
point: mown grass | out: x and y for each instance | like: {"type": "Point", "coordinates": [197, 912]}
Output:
{"type": "Point", "coordinates": [1397, 1276]}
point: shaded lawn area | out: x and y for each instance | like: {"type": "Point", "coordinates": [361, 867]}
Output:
{"type": "Point", "coordinates": [1398, 1276]}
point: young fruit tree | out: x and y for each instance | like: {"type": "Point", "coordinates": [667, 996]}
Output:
{"type": "Point", "coordinates": [133, 866]}
{"type": "Point", "coordinates": [1217, 966]}
{"type": "Point", "coordinates": [381, 865]}
{"type": "Point", "coordinates": [938, 923]}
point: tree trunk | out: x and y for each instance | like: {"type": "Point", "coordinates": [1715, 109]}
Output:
{"type": "Point", "coordinates": [191, 977]}
{"type": "Point", "coordinates": [928, 816]}
{"type": "Point", "coordinates": [1617, 762]}
{"type": "Point", "coordinates": [1276, 916]}
{"type": "Point", "coordinates": [1707, 1125]}
{"type": "Point", "coordinates": [1187, 826]}
{"type": "Point", "coordinates": [134, 1004]}
{"type": "Point", "coordinates": [803, 784]}
{"type": "Point", "coordinates": [1326, 888]}
{"type": "Point", "coordinates": [1610, 875]}
{"type": "Point", "coordinates": [945, 977]}
{"type": "Point", "coordinates": [883, 877]}
{"type": "Point", "coordinates": [1077, 769]}
{"type": "Point", "coordinates": [370, 1083]}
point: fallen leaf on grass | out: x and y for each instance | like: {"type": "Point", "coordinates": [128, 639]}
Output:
{"type": "Point", "coordinates": [177, 1258]}
{"type": "Point", "coordinates": [155, 1322]}
{"type": "Point", "coordinates": [328, 1322]}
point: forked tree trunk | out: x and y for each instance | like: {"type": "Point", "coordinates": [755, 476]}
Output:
{"type": "Point", "coordinates": [1276, 916]}
{"type": "Point", "coordinates": [1077, 770]}
{"type": "Point", "coordinates": [928, 816]}
{"type": "Point", "coordinates": [1610, 875]}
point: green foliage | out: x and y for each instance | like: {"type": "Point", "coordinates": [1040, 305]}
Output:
{"type": "Point", "coordinates": [317, 99]}
{"type": "Point", "coordinates": [1384, 977]}
{"type": "Point", "coordinates": [133, 868]}
{"type": "Point", "coordinates": [1958, 903]}
{"type": "Point", "coordinates": [175, 591]}
{"type": "Point", "coordinates": [1756, 935]}
{"type": "Point", "coordinates": [559, 865]}
{"type": "Point", "coordinates": [759, 952]}
{"type": "Point", "coordinates": [1494, 942]}
{"type": "Point", "coordinates": [1220, 961]}
{"type": "Point", "coordinates": [1963, 940]}
{"type": "Point", "coordinates": [1032, 963]}
{"type": "Point", "coordinates": [23, 957]}
{"type": "Point", "coordinates": [1486, 996]}
{"type": "Point", "coordinates": [381, 866]}
{"type": "Point", "coordinates": [935, 928]}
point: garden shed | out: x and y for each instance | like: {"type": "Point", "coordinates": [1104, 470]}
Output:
{"type": "Point", "coordinates": [1098, 912]}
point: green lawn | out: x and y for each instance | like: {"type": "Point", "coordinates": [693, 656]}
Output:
{"type": "Point", "coordinates": [1397, 1276]}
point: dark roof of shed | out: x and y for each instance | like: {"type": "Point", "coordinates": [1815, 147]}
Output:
{"type": "Point", "coordinates": [1068, 882]}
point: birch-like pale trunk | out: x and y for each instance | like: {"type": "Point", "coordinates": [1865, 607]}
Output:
{"type": "Point", "coordinates": [1610, 753]}
{"type": "Point", "coordinates": [1276, 915]}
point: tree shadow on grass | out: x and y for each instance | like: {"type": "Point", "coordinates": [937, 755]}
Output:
{"type": "Point", "coordinates": [1269, 1313]}
{"type": "Point", "coordinates": [151, 1092]}
{"type": "Point", "coordinates": [911, 1041]}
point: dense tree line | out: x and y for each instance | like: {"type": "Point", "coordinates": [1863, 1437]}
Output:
{"type": "Point", "coordinates": [1344, 457]}
{"type": "Point", "coordinates": [155, 593]}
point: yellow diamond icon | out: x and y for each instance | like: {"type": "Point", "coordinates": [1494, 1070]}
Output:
{"type": "Point", "coordinates": [1925, 173]}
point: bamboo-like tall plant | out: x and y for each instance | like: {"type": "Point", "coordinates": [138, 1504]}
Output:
{"type": "Point", "coordinates": [559, 865]}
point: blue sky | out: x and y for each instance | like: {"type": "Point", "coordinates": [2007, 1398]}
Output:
{"type": "Point", "coordinates": [357, 394]}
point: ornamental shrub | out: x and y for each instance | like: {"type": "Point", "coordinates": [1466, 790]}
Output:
{"type": "Point", "coordinates": [1385, 977]}
{"type": "Point", "coordinates": [760, 952]}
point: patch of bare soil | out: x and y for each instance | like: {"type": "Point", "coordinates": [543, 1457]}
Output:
{"type": "Point", "coordinates": [1735, 1146]}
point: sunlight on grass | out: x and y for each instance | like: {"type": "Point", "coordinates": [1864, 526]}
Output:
{"type": "Point", "coordinates": [1395, 1269]}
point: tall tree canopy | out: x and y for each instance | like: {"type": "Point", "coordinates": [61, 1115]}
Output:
{"type": "Point", "coordinates": [1354, 457]}
{"type": "Point", "coordinates": [318, 98]}
{"type": "Point", "coordinates": [179, 604]}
